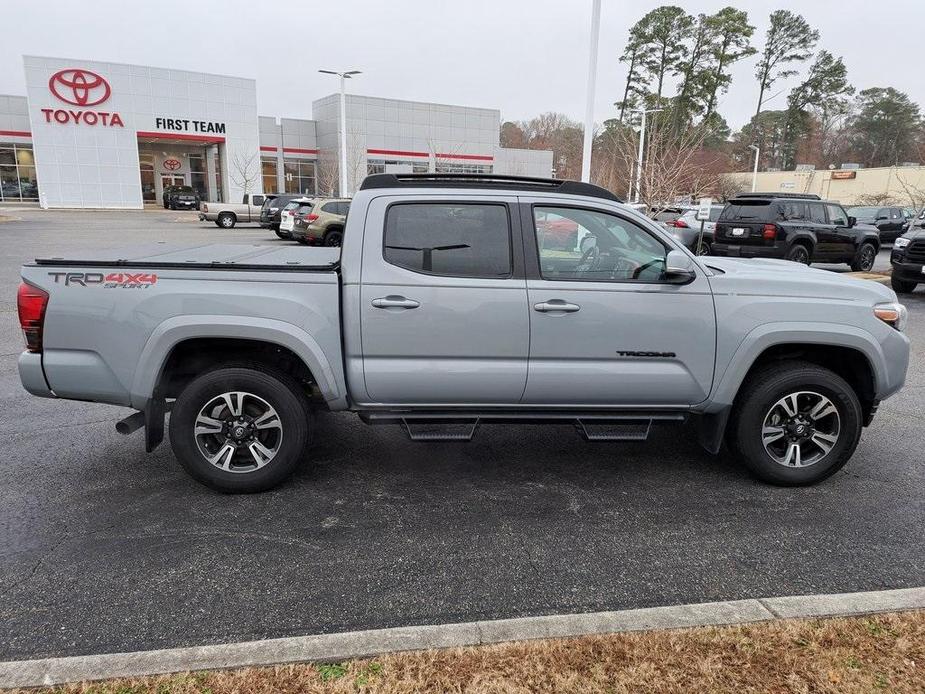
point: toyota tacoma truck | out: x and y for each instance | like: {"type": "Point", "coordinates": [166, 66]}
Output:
{"type": "Point", "coordinates": [446, 310]}
{"type": "Point", "coordinates": [226, 215]}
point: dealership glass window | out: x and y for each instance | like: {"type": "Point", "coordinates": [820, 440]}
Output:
{"type": "Point", "coordinates": [456, 167]}
{"type": "Point", "coordinates": [375, 166]}
{"type": "Point", "coordinates": [198, 175]}
{"type": "Point", "coordinates": [268, 170]}
{"type": "Point", "coordinates": [17, 173]}
{"type": "Point", "coordinates": [146, 164]}
{"type": "Point", "coordinates": [300, 176]}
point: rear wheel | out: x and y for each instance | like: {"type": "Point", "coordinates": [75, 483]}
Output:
{"type": "Point", "coordinates": [798, 253]}
{"type": "Point", "coordinates": [795, 423]}
{"type": "Point", "coordinates": [902, 286]}
{"type": "Point", "coordinates": [863, 261]}
{"type": "Point", "coordinates": [334, 237]}
{"type": "Point", "coordinates": [703, 247]}
{"type": "Point", "coordinates": [226, 220]}
{"type": "Point", "coordinates": [240, 429]}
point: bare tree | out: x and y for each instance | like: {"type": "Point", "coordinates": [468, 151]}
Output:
{"type": "Point", "coordinates": [914, 193]}
{"type": "Point", "coordinates": [674, 167]}
{"type": "Point", "coordinates": [327, 173]}
{"type": "Point", "coordinates": [245, 170]}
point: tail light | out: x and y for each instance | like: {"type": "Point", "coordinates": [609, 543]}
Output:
{"type": "Point", "coordinates": [205, 208]}
{"type": "Point", "coordinates": [31, 302]}
{"type": "Point", "coordinates": [680, 224]}
{"type": "Point", "coordinates": [311, 217]}
{"type": "Point", "coordinates": [769, 232]}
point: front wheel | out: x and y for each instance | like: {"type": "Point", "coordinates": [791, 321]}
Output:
{"type": "Point", "coordinates": [864, 259]}
{"type": "Point", "coordinates": [241, 429]}
{"type": "Point", "coordinates": [795, 423]}
{"type": "Point", "coordinates": [902, 286]}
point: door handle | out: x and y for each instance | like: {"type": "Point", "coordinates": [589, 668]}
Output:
{"type": "Point", "coordinates": [395, 302]}
{"type": "Point", "coordinates": [556, 305]}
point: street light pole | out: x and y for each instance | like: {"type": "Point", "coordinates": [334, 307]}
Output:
{"type": "Point", "coordinates": [343, 125]}
{"type": "Point", "coordinates": [592, 79]}
{"type": "Point", "coordinates": [755, 170]}
{"type": "Point", "coordinates": [642, 144]}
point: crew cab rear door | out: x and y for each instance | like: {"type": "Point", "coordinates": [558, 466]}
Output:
{"type": "Point", "coordinates": [606, 328]}
{"type": "Point", "coordinates": [443, 301]}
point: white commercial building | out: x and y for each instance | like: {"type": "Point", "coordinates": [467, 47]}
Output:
{"type": "Point", "coordinates": [107, 135]}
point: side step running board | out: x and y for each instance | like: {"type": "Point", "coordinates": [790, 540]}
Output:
{"type": "Point", "coordinates": [461, 426]}
{"type": "Point", "coordinates": [437, 430]}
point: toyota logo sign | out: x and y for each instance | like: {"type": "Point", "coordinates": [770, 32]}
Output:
{"type": "Point", "coordinates": [79, 87]}
{"type": "Point", "coordinates": [172, 164]}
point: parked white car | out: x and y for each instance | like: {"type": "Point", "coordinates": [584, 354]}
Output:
{"type": "Point", "coordinates": [287, 216]}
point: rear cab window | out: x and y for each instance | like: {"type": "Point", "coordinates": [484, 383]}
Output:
{"type": "Point", "coordinates": [453, 239]}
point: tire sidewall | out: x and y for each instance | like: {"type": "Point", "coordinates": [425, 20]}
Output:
{"type": "Point", "coordinates": [798, 250]}
{"type": "Point", "coordinates": [753, 411]}
{"type": "Point", "coordinates": [860, 263]}
{"type": "Point", "coordinates": [278, 391]}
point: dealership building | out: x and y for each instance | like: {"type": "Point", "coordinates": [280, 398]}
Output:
{"type": "Point", "coordinates": [106, 135]}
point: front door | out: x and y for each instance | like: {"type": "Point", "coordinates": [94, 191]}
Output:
{"type": "Point", "coordinates": [443, 302]}
{"type": "Point", "coordinates": [826, 236]}
{"type": "Point", "coordinates": [606, 329]}
{"type": "Point", "coordinates": [844, 236]}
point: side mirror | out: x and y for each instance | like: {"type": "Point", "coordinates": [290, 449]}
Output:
{"type": "Point", "coordinates": [852, 221]}
{"type": "Point", "coordinates": [679, 268]}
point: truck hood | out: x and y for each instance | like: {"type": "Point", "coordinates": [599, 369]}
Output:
{"type": "Point", "coordinates": [772, 277]}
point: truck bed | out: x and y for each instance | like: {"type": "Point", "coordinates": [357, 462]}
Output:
{"type": "Point", "coordinates": [224, 256]}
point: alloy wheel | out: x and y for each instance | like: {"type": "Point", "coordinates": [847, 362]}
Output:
{"type": "Point", "coordinates": [801, 429]}
{"type": "Point", "coordinates": [238, 432]}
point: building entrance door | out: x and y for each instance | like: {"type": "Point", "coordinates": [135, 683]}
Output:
{"type": "Point", "coordinates": [172, 181]}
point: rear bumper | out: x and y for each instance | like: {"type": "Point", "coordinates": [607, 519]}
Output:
{"type": "Point", "coordinates": [731, 250]}
{"type": "Point", "coordinates": [32, 375]}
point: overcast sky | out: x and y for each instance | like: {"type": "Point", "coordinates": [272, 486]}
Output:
{"type": "Point", "coordinates": [521, 56]}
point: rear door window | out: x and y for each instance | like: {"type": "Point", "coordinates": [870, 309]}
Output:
{"type": "Point", "coordinates": [449, 239]}
{"type": "Point", "coordinates": [816, 213]}
{"type": "Point", "coordinates": [794, 211]}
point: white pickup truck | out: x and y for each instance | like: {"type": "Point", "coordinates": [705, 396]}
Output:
{"type": "Point", "coordinates": [453, 303]}
{"type": "Point", "coordinates": [227, 214]}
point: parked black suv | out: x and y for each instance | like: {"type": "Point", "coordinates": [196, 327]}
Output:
{"type": "Point", "coordinates": [181, 198]}
{"type": "Point", "coordinates": [271, 210]}
{"type": "Point", "coordinates": [890, 221]}
{"type": "Point", "coordinates": [802, 228]}
{"type": "Point", "coordinates": [908, 261]}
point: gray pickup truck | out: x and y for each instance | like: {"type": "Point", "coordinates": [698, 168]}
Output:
{"type": "Point", "coordinates": [465, 300]}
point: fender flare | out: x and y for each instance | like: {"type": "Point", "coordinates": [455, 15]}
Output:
{"type": "Point", "coordinates": [763, 337]}
{"type": "Point", "coordinates": [178, 329]}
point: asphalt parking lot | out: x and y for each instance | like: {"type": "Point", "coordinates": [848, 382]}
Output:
{"type": "Point", "coordinates": [104, 548]}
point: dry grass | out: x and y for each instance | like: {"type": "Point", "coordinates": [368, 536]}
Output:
{"type": "Point", "coordinates": [865, 654]}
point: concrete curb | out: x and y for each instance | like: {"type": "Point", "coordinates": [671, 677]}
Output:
{"type": "Point", "coordinates": [357, 644]}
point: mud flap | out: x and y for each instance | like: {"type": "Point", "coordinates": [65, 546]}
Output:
{"type": "Point", "coordinates": [155, 409]}
{"type": "Point", "coordinates": [711, 428]}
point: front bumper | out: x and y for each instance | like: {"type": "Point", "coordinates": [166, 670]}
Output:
{"type": "Point", "coordinates": [731, 250]}
{"type": "Point", "coordinates": [907, 272]}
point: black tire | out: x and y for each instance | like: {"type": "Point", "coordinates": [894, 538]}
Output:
{"type": "Point", "coordinates": [165, 205]}
{"type": "Point", "coordinates": [303, 241]}
{"type": "Point", "coordinates": [172, 206]}
{"type": "Point", "coordinates": [282, 234]}
{"type": "Point", "coordinates": [278, 389]}
{"type": "Point", "coordinates": [226, 220]}
{"type": "Point", "coordinates": [865, 258]}
{"type": "Point", "coordinates": [902, 286]}
{"type": "Point", "coordinates": [755, 403]}
{"type": "Point", "coordinates": [702, 248]}
{"type": "Point", "coordinates": [217, 224]}
{"type": "Point", "coordinates": [799, 253]}
{"type": "Point", "coordinates": [334, 238]}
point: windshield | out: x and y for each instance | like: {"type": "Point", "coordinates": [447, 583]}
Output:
{"type": "Point", "coordinates": [863, 212]}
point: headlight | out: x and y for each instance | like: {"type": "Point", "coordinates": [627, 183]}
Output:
{"type": "Point", "coordinates": [901, 242]}
{"type": "Point", "coordinates": [893, 314]}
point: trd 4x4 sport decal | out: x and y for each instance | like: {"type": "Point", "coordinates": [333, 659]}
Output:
{"type": "Point", "coordinates": [114, 280]}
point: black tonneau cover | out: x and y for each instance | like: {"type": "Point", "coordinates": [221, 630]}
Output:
{"type": "Point", "coordinates": [221, 256]}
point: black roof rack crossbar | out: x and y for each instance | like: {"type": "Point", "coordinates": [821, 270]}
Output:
{"type": "Point", "coordinates": [769, 196]}
{"type": "Point", "coordinates": [466, 180]}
